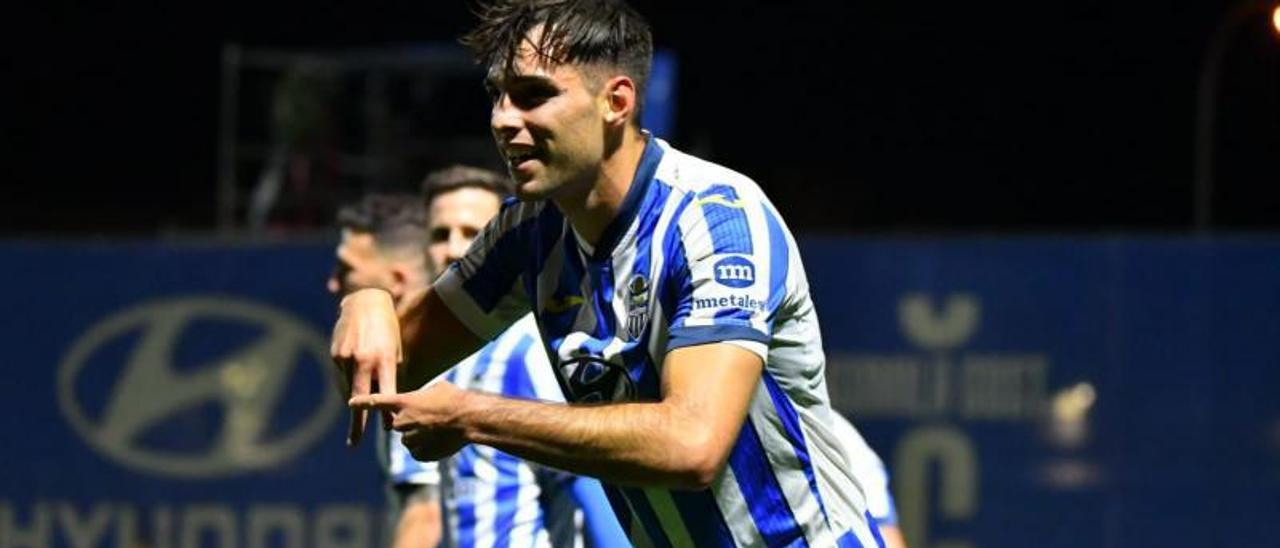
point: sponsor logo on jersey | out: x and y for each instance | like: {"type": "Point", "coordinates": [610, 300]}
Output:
{"type": "Point", "coordinates": [735, 272]}
{"type": "Point", "coordinates": [744, 302]}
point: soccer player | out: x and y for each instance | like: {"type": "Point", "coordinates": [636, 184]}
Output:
{"type": "Point", "coordinates": [874, 478]}
{"type": "Point", "coordinates": [668, 292]}
{"type": "Point", "coordinates": [490, 498]}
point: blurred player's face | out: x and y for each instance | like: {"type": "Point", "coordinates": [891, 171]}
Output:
{"type": "Point", "coordinates": [456, 217]}
{"type": "Point", "coordinates": [549, 122]}
{"type": "Point", "coordinates": [360, 264]}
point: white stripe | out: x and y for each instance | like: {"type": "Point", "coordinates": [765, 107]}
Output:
{"type": "Point", "coordinates": [737, 515]}
{"type": "Point", "coordinates": [528, 509]}
{"type": "Point", "coordinates": [786, 468]}
{"type": "Point", "coordinates": [658, 263]}
{"type": "Point", "coordinates": [449, 287]}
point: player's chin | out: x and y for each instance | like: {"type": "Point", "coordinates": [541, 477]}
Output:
{"type": "Point", "coordinates": [532, 189]}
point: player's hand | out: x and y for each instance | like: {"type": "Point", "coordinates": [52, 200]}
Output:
{"type": "Point", "coordinates": [366, 349]}
{"type": "Point", "coordinates": [427, 417]}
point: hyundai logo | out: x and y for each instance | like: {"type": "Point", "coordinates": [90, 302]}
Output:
{"type": "Point", "coordinates": [173, 362]}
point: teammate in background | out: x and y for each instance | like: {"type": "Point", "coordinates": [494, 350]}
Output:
{"type": "Point", "coordinates": [874, 478]}
{"type": "Point", "coordinates": [384, 239]}
{"type": "Point", "coordinates": [669, 294]}
{"type": "Point", "coordinates": [492, 498]}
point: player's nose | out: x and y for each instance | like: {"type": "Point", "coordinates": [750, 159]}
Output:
{"type": "Point", "coordinates": [505, 119]}
{"type": "Point", "coordinates": [458, 245]}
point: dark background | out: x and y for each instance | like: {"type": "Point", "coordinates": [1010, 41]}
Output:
{"type": "Point", "coordinates": [865, 117]}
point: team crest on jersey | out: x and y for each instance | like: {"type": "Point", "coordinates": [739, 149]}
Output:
{"type": "Point", "coordinates": [637, 306]}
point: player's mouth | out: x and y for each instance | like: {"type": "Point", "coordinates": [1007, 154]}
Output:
{"type": "Point", "coordinates": [522, 161]}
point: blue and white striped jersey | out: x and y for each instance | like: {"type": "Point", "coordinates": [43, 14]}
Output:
{"type": "Point", "coordinates": [869, 471]}
{"type": "Point", "coordinates": [492, 498]}
{"type": "Point", "coordinates": [696, 255]}
{"type": "Point", "coordinates": [402, 467]}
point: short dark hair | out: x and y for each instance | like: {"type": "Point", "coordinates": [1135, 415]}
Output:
{"type": "Point", "coordinates": [455, 177]}
{"type": "Point", "coordinates": [396, 221]}
{"type": "Point", "coordinates": [584, 32]}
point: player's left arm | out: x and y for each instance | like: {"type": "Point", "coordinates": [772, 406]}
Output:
{"type": "Point", "coordinates": [681, 441]}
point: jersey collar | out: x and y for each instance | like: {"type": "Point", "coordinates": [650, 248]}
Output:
{"type": "Point", "coordinates": [640, 184]}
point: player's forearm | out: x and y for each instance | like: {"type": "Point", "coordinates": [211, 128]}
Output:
{"type": "Point", "coordinates": [434, 339]}
{"type": "Point", "coordinates": [645, 444]}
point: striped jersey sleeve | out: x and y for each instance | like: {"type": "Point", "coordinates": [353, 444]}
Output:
{"type": "Point", "coordinates": [730, 273]}
{"type": "Point", "coordinates": [484, 289]}
{"type": "Point", "coordinates": [403, 468]}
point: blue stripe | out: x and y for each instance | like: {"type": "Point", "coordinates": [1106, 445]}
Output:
{"type": "Point", "coordinates": [875, 530]}
{"type": "Point", "coordinates": [647, 517]}
{"type": "Point", "coordinates": [734, 313]}
{"type": "Point", "coordinates": [551, 230]}
{"type": "Point", "coordinates": [640, 184]}
{"type": "Point", "coordinates": [507, 493]}
{"type": "Point", "coordinates": [791, 425]}
{"type": "Point", "coordinates": [602, 300]}
{"type": "Point", "coordinates": [727, 224]}
{"type": "Point", "coordinates": [778, 263]}
{"type": "Point", "coordinates": [568, 285]}
{"type": "Point", "coordinates": [675, 289]}
{"type": "Point", "coordinates": [769, 509]}
{"type": "Point", "coordinates": [850, 540]}
{"type": "Point", "coordinates": [703, 334]}
{"type": "Point", "coordinates": [515, 380]}
{"type": "Point", "coordinates": [702, 518]}
{"type": "Point", "coordinates": [483, 361]}
{"type": "Point", "coordinates": [492, 279]}
{"type": "Point", "coordinates": [465, 468]}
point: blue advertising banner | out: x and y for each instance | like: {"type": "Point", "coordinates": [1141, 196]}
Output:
{"type": "Point", "coordinates": [176, 395]}
{"type": "Point", "coordinates": [1023, 392]}
{"type": "Point", "coordinates": [1059, 392]}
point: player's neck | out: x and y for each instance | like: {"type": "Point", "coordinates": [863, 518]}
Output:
{"type": "Point", "coordinates": [591, 212]}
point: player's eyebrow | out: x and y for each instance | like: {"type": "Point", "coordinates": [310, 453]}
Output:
{"type": "Point", "coordinates": [495, 80]}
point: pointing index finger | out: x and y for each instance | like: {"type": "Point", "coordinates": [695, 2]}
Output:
{"type": "Point", "coordinates": [381, 402]}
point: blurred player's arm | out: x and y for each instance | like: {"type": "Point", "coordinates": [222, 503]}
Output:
{"type": "Point", "coordinates": [681, 441]}
{"type": "Point", "coordinates": [600, 526]}
{"type": "Point", "coordinates": [420, 524]}
{"type": "Point", "coordinates": [892, 536]}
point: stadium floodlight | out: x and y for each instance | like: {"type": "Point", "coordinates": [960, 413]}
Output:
{"type": "Point", "coordinates": [1206, 101]}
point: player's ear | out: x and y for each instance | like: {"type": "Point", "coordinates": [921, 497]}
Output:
{"type": "Point", "coordinates": [399, 281]}
{"type": "Point", "coordinates": [619, 98]}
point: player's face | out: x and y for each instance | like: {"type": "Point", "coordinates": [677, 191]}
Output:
{"type": "Point", "coordinates": [359, 264]}
{"type": "Point", "coordinates": [456, 218]}
{"type": "Point", "coordinates": [549, 124]}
